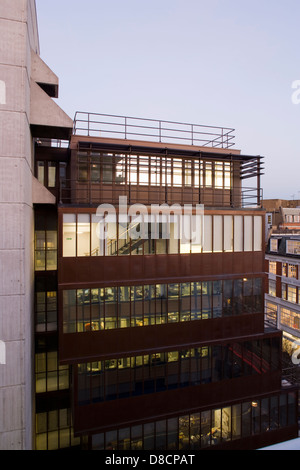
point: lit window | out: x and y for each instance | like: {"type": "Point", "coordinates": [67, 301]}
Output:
{"type": "Point", "coordinates": [274, 244]}
{"type": "Point", "coordinates": [291, 293]}
{"type": "Point", "coordinates": [293, 247]}
{"type": "Point", "coordinates": [51, 175]}
{"type": "Point", "coordinates": [292, 271]}
{"type": "Point", "coordinates": [272, 267]}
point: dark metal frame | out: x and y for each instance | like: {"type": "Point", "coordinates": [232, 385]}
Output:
{"type": "Point", "coordinates": [106, 125]}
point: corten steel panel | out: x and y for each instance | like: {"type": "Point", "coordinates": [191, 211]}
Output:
{"type": "Point", "coordinates": [98, 345]}
{"type": "Point", "coordinates": [97, 271]}
{"type": "Point", "coordinates": [126, 411]}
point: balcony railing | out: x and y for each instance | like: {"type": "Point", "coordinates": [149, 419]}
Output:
{"type": "Point", "coordinates": [88, 193]}
{"type": "Point", "coordinates": [125, 127]}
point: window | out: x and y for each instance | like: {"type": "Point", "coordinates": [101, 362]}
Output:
{"type": "Point", "coordinates": [291, 294]}
{"type": "Point", "coordinates": [51, 175]}
{"type": "Point", "coordinates": [293, 247]}
{"type": "Point", "coordinates": [208, 175]}
{"type": "Point", "coordinates": [45, 243]}
{"type": "Point", "coordinates": [144, 170]}
{"type": "Point", "coordinates": [188, 173]}
{"type": "Point", "coordinates": [110, 235]}
{"type": "Point", "coordinates": [135, 306]}
{"type": "Point", "coordinates": [54, 430]}
{"type": "Point", "coordinates": [228, 233]}
{"type": "Point", "coordinates": [83, 235]}
{"type": "Point", "coordinates": [95, 167]}
{"type": "Point", "coordinates": [138, 375]}
{"type": "Point", "coordinates": [206, 428]}
{"type": "Point", "coordinates": [227, 176]}
{"type": "Point", "coordinates": [284, 269]}
{"type": "Point", "coordinates": [177, 173]}
{"type": "Point", "coordinates": [292, 271]}
{"type": "Point", "coordinates": [238, 233]}
{"type": "Point", "coordinates": [248, 233]}
{"type": "Point", "coordinates": [272, 267]}
{"type": "Point", "coordinates": [272, 288]}
{"type": "Point", "coordinates": [45, 304]}
{"type": "Point", "coordinates": [290, 319]}
{"type": "Point", "coordinates": [218, 233]}
{"type": "Point", "coordinates": [40, 172]}
{"type": "Point", "coordinates": [219, 174]}
{"type": "Point", "coordinates": [82, 159]}
{"type": "Point", "coordinates": [257, 233]}
{"type": "Point", "coordinates": [284, 291]}
{"type": "Point", "coordinates": [107, 168]}
{"type": "Point", "coordinates": [69, 235]}
{"type": "Point", "coordinates": [49, 375]}
{"type": "Point", "coordinates": [274, 244]}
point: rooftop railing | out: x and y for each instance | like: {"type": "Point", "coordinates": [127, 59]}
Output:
{"type": "Point", "coordinates": [125, 127]}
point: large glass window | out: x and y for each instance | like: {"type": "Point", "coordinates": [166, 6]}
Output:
{"type": "Point", "coordinates": [45, 304]}
{"type": "Point", "coordinates": [50, 376]}
{"type": "Point", "coordinates": [138, 375]}
{"type": "Point", "coordinates": [87, 234]}
{"type": "Point", "coordinates": [135, 306]}
{"type": "Point", "coordinates": [45, 243]}
{"type": "Point", "coordinates": [83, 235]}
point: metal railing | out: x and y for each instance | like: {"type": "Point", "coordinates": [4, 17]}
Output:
{"type": "Point", "coordinates": [126, 127]}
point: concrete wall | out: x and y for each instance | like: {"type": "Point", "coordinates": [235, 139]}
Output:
{"type": "Point", "coordinates": [18, 36]}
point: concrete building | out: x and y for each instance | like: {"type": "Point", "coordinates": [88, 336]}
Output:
{"type": "Point", "coordinates": [26, 110]}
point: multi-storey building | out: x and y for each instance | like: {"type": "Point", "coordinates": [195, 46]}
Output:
{"type": "Point", "coordinates": [283, 290]}
{"type": "Point", "coordinates": [164, 334]}
{"type": "Point", "coordinates": [134, 277]}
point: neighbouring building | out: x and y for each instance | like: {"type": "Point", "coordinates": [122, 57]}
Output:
{"type": "Point", "coordinates": [282, 215]}
{"type": "Point", "coordinates": [283, 289]}
{"type": "Point", "coordinates": [133, 277]}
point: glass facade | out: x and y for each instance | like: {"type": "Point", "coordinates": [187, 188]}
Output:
{"type": "Point", "coordinates": [134, 306]}
{"type": "Point", "coordinates": [114, 235]}
{"type": "Point", "coordinates": [145, 170]}
{"type": "Point", "coordinates": [204, 429]}
{"type": "Point", "coordinates": [151, 373]}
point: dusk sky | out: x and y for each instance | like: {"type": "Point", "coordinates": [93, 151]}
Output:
{"type": "Point", "coordinates": [221, 63]}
